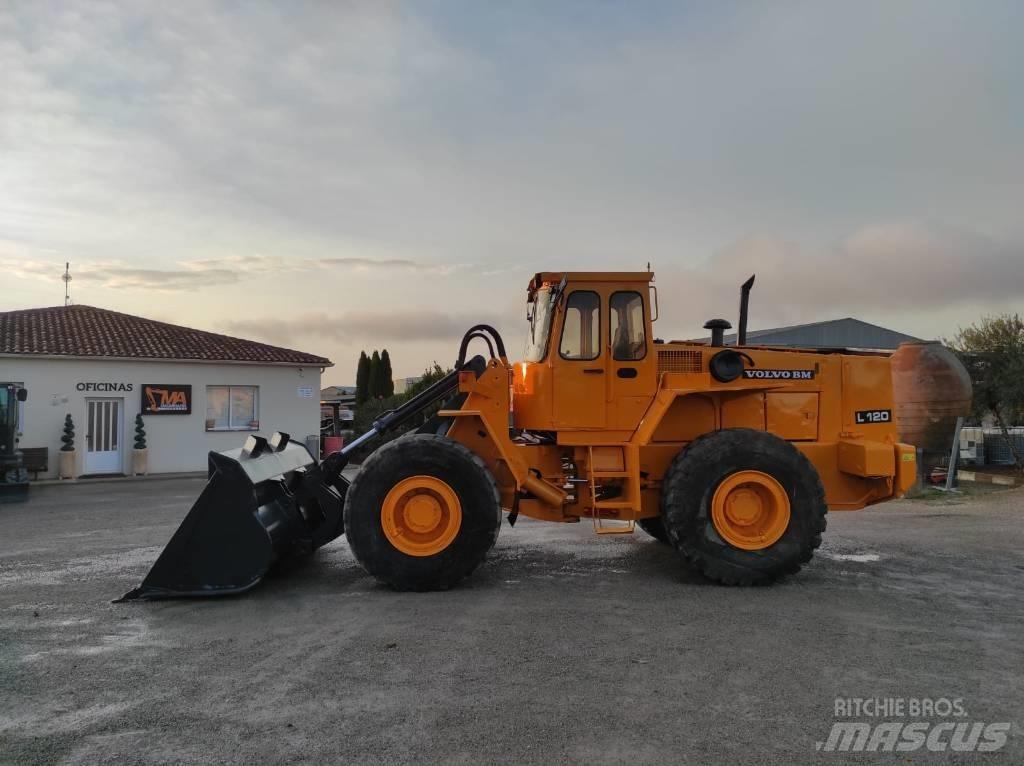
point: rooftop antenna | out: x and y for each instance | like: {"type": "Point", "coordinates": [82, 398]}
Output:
{"type": "Point", "coordinates": [66, 276]}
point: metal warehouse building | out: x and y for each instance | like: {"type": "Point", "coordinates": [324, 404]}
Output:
{"type": "Point", "coordinates": [197, 391]}
{"type": "Point", "coordinates": [834, 333]}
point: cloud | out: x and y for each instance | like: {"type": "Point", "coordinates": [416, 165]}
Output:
{"type": "Point", "coordinates": [382, 148]}
{"type": "Point", "coordinates": [396, 264]}
{"type": "Point", "coordinates": [409, 325]}
{"type": "Point", "coordinates": [912, 266]}
{"type": "Point", "coordinates": [389, 129]}
{"type": "Point", "coordinates": [890, 269]}
{"type": "Point", "coordinates": [203, 273]}
{"type": "Point", "coordinates": [120, 278]}
{"type": "Point", "coordinates": [884, 269]}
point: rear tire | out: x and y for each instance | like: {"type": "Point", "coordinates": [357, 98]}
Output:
{"type": "Point", "coordinates": [437, 461]}
{"type": "Point", "coordinates": [690, 490]}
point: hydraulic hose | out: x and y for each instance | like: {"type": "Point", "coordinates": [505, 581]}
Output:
{"type": "Point", "coordinates": [474, 332]}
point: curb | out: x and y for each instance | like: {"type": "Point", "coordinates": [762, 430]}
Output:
{"type": "Point", "coordinates": [117, 479]}
{"type": "Point", "coordinates": [988, 478]}
{"type": "Point", "coordinates": [153, 477]}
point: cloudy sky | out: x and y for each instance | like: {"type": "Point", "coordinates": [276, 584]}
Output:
{"type": "Point", "coordinates": [333, 176]}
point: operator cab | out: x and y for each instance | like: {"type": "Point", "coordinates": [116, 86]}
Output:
{"type": "Point", "coordinates": [587, 363]}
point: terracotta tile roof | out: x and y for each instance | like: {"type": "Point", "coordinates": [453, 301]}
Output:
{"type": "Point", "coordinates": [90, 331]}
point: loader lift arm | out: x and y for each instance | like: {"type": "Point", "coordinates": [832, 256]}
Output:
{"type": "Point", "coordinates": [445, 387]}
{"type": "Point", "coordinates": [334, 463]}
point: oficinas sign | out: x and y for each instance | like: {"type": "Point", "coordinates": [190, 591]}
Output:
{"type": "Point", "coordinates": [166, 399]}
{"type": "Point", "coordinates": [102, 386]}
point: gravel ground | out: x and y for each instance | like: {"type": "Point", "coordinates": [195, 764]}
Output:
{"type": "Point", "coordinates": [563, 647]}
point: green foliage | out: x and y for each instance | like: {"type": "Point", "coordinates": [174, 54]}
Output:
{"type": "Point", "coordinates": [68, 437]}
{"type": "Point", "coordinates": [373, 379]}
{"type": "Point", "coordinates": [366, 413]}
{"type": "Point", "coordinates": [372, 409]}
{"type": "Point", "coordinates": [992, 350]}
{"type": "Point", "coordinates": [386, 381]}
{"type": "Point", "coordinates": [140, 432]}
{"type": "Point", "coordinates": [430, 376]}
{"type": "Point", "coordinates": [362, 378]}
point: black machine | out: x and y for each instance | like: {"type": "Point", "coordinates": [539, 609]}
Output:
{"type": "Point", "coordinates": [270, 503]}
{"type": "Point", "coordinates": [13, 476]}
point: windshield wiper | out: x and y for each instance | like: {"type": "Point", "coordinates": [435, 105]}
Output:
{"type": "Point", "coordinates": [556, 294]}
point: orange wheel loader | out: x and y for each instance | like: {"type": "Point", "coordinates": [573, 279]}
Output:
{"type": "Point", "coordinates": [731, 454]}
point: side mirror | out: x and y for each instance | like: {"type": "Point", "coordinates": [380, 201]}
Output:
{"type": "Point", "coordinates": [22, 394]}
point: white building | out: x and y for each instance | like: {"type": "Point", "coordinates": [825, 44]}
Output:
{"type": "Point", "coordinates": [404, 384]}
{"type": "Point", "coordinates": [197, 391]}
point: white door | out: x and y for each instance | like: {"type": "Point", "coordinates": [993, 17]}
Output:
{"type": "Point", "coordinates": [103, 436]}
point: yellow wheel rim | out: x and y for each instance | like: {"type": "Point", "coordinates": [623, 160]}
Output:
{"type": "Point", "coordinates": [421, 516]}
{"type": "Point", "coordinates": [750, 510]}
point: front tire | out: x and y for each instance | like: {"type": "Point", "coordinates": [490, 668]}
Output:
{"type": "Point", "coordinates": [743, 507]}
{"type": "Point", "coordinates": [422, 513]}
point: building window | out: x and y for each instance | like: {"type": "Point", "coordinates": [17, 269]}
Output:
{"type": "Point", "coordinates": [232, 408]}
{"type": "Point", "coordinates": [629, 341]}
{"type": "Point", "coordinates": [581, 330]}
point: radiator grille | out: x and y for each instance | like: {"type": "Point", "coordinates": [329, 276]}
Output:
{"type": "Point", "coordinates": [671, 360]}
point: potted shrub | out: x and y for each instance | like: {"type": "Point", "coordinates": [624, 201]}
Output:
{"type": "Point", "coordinates": [67, 450]}
{"type": "Point", "coordinates": [140, 455]}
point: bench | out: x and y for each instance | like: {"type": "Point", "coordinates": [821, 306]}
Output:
{"type": "Point", "coordinates": [36, 460]}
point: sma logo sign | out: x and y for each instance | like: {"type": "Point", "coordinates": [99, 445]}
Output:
{"type": "Point", "coordinates": [166, 399]}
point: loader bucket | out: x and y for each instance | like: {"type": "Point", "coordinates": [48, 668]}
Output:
{"type": "Point", "coordinates": [264, 506]}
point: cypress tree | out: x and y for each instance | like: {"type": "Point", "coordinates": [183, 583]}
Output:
{"type": "Point", "coordinates": [362, 378]}
{"type": "Point", "coordinates": [386, 381]}
{"type": "Point", "coordinates": [373, 386]}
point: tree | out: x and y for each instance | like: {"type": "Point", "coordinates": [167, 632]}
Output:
{"type": "Point", "coordinates": [430, 376]}
{"type": "Point", "coordinates": [140, 432]}
{"type": "Point", "coordinates": [993, 353]}
{"type": "Point", "coordinates": [68, 437]}
{"type": "Point", "coordinates": [373, 386]}
{"type": "Point", "coordinates": [362, 378]}
{"type": "Point", "coordinates": [387, 383]}
{"type": "Point", "coordinates": [373, 409]}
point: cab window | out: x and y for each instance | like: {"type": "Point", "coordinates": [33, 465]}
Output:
{"type": "Point", "coordinates": [581, 331]}
{"type": "Point", "coordinates": [626, 323]}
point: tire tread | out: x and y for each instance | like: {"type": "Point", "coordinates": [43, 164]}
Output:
{"type": "Point", "coordinates": [682, 479]}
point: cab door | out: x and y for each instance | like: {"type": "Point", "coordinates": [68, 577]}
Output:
{"type": "Point", "coordinates": [580, 377]}
{"type": "Point", "coordinates": [633, 365]}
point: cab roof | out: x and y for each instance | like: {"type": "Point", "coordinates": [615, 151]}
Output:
{"type": "Point", "coordinates": [590, 276]}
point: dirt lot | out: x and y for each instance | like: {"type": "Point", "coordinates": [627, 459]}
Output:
{"type": "Point", "coordinates": [564, 647]}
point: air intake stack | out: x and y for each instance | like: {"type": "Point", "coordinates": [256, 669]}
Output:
{"type": "Point", "coordinates": [718, 328]}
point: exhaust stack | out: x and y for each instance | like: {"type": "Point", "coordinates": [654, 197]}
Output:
{"type": "Point", "coordinates": [741, 332]}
